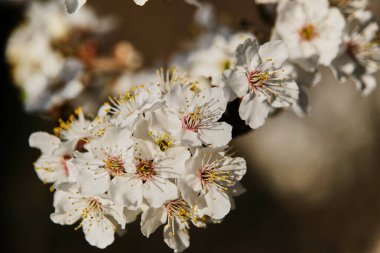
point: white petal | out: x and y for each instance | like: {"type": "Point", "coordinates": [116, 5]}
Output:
{"type": "Point", "coordinates": [247, 53]}
{"type": "Point", "coordinates": [275, 52]}
{"type": "Point", "coordinates": [179, 240]}
{"type": "Point", "coordinates": [173, 162]}
{"type": "Point", "coordinates": [66, 213]}
{"type": "Point", "coordinates": [218, 203]}
{"type": "Point", "coordinates": [157, 192]}
{"type": "Point", "coordinates": [127, 192]}
{"type": "Point", "coordinates": [140, 2]}
{"type": "Point", "coordinates": [189, 186]}
{"type": "Point", "coordinates": [92, 182]}
{"type": "Point", "coordinates": [254, 110]}
{"type": "Point", "coordinates": [47, 143]}
{"type": "Point", "coordinates": [151, 219]}
{"type": "Point", "coordinates": [117, 137]}
{"type": "Point", "coordinates": [236, 83]}
{"type": "Point", "coordinates": [74, 5]}
{"type": "Point", "coordinates": [99, 231]}
{"type": "Point", "coordinates": [218, 136]}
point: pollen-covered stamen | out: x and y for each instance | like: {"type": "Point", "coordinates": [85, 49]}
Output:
{"type": "Point", "coordinates": [256, 79]}
{"type": "Point", "coordinates": [270, 83]}
{"type": "Point", "coordinates": [202, 117]}
{"type": "Point", "coordinates": [192, 120]}
{"type": "Point", "coordinates": [124, 104]}
{"type": "Point", "coordinates": [145, 169]}
{"type": "Point", "coordinates": [114, 165]}
{"type": "Point", "coordinates": [216, 174]}
{"type": "Point", "coordinates": [308, 32]}
{"type": "Point", "coordinates": [73, 127]}
{"type": "Point", "coordinates": [167, 79]}
{"type": "Point", "coordinates": [164, 141]}
{"type": "Point", "coordinates": [181, 211]}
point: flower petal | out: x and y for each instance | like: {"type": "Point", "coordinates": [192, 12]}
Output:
{"type": "Point", "coordinates": [254, 110]}
{"type": "Point", "coordinates": [127, 192]}
{"type": "Point", "coordinates": [151, 219]}
{"type": "Point", "coordinates": [45, 142]}
{"type": "Point", "coordinates": [158, 191]}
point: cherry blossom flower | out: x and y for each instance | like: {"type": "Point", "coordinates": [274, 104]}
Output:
{"type": "Point", "coordinates": [106, 160]}
{"type": "Point", "coordinates": [209, 175]}
{"type": "Point", "coordinates": [98, 216]}
{"type": "Point", "coordinates": [194, 116]}
{"type": "Point", "coordinates": [310, 29]}
{"type": "Point", "coordinates": [359, 56]}
{"type": "Point", "coordinates": [259, 81]}
{"type": "Point", "coordinates": [55, 165]}
{"type": "Point", "coordinates": [126, 108]}
{"type": "Point", "coordinates": [149, 176]}
{"type": "Point", "coordinates": [177, 215]}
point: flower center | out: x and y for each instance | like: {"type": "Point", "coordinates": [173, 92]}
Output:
{"type": "Point", "coordinates": [180, 210]}
{"type": "Point", "coordinates": [114, 165]}
{"type": "Point", "coordinates": [192, 120]}
{"type": "Point", "coordinates": [145, 169]}
{"type": "Point", "coordinates": [256, 79]}
{"type": "Point", "coordinates": [226, 64]}
{"type": "Point", "coordinates": [164, 144]}
{"type": "Point", "coordinates": [308, 32]}
{"type": "Point", "coordinates": [211, 174]}
{"type": "Point", "coordinates": [81, 143]}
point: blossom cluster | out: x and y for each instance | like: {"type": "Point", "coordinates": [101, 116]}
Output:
{"type": "Point", "coordinates": [61, 60]}
{"type": "Point", "coordinates": [339, 34]}
{"type": "Point", "coordinates": [74, 5]}
{"type": "Point", "coordinates": [158, 149]}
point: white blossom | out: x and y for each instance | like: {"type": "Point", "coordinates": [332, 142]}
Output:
{"type": "Point", "coordinates": [177, 215]}
{"type": "Point", "coordinates": [359, 56]}
{"type": "Point", "coordinates": [98, 216]}
{"type": "Point", "coordinates": [55, 165]}
{"type": "Point", "coordinates": [259, 81]}
{"type": "Point", "coordinates": [209, 175]}
{"type": "Point", "coordinates": [149, 176]}
{"type": "Point", "coordinates": [106, 159]}
{"type": "Point", "coordinates": [311, 30]}
{"type": "Point", "coordinates": [194, 116]}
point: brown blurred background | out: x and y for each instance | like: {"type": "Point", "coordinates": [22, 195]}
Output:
{"type": "Point", "coordinates": [312, 185]}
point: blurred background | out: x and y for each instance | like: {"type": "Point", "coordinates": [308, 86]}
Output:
{"type": "Point", "coordinates": [312, 184]}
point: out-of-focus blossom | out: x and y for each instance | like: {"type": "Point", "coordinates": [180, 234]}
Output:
{"type": "Point", "coordinates": [311, 30]}
{"type": "Point", "coordinates": [359, 56]}
{"type": "Point", "coordinates": [68, 60]}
